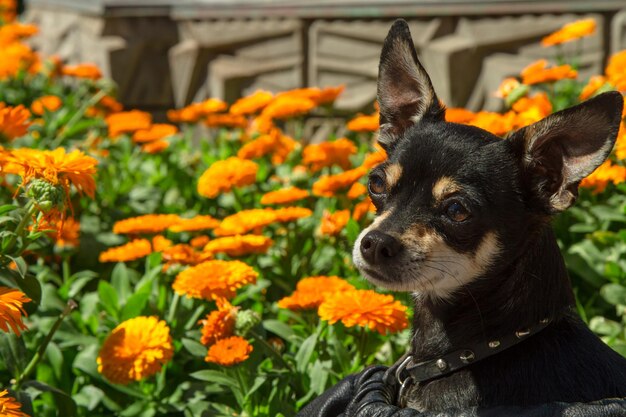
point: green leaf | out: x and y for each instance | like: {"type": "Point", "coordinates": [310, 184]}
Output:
{"type": "Point", "coordinates": [215, 377]}
{"type": "Point", "coordinates": [31, 286]}
{"type": "Point", "coordinates": [604, 326]}
{"type": "Point", "coordinates": [7, 208]}
{"type": "Point", "coordinates": [108, 298]}
{"type": "Point", "coordinates": [66, 406]}
{"type": "Point", "coordinates": [135, 305]}
{"type": "Point", "coordinates": [352, 230]}
{"type": "Point", "coordinates": [305, 352]}
{"type": "Point", "coordinates": [614, 294]}
{"type": "Point", "coordinates": [194, 347]}
{"type": "Point", "coordinates": [278, 328]}
{"type": "Point", "coordinates": [120, 280]}
{"type": "Point", "coordinates": [20, 263]}
{"type": "Point", "coordinates": [319, 375]}
{"type": "Point", "coordinates": [13, 352]}
{"type": "Point", "coordinates": [89, 397]}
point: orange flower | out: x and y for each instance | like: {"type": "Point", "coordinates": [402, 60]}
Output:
{"type": "Point", "coordinates": [154, 132]}
{"type": "Point", "coordinates": [196, 111]}
{"type": "Point", "coordinates": [229, 351]}
{"type": "Point", "coordinates": [128, 121]}
{"type": "Point", "coordinates": [496, 123]}
{"type": "Point", "coordinates": [223, 175]}
{"type": "Point", "coordinates": [195, 224]}
{"type": "Point", "coordinates": [161, 243]}
{"type": "Point", "coordinates": [252, 103]}
{"type": "Point", "coordinates": [333, 224]}
{"type": "Point", "coordinates": [592, 87]}
{"type": "Point", "coordinates": [262, 124]}
{"type": "Point", "coordinates": [539, 100]}
{"type": "Point", "coordinates": [616, 70]}
{"type": "Point", "coordinates": [65, 233]}
{"type": "Point", "coordinates": [603, 175]}
{"type": "Point", "coordinates": [146, 224]}
{"type": "Point", "coordinates": [363, 208]}
{"type": "Point", "coordinates": [284, 196]}
{"type": "Point", "coordinates": [13, 121]}
{"type": "Point", "coordinates": [356, 191]}
{"type": "Point", "coordinates": [46, 103]}
{"type": "Point", "coordinates": [538, 72]}
{"type": "Point", "coordinates": [137, 249]}
{"type": "Point", "coordinates": [15, 32]}
{"type": "Point", "coordinates": [328, 185]}
{"type": "Point", "coordinates": [506, 87]}
{"type": "Point", "coordinates": [225, 120]}
{"type": "Point", "coordinates": [8, 13]}
{"type": "Point", "coordinates": [110, 105]}
{"type": "Point", "coordinates": [459, 115]}
{"type": "Point", "coordinates": [55, 167]}
{"type": "Point", "coordinates": [155, 147]}
{"type": "Point", "coordinates": [329, 153]}
{"type": "Point", "coordinates": [620, 144]}
{"type": "Point", "coordinates": [312, 291]}
{"type": "Point", "coordinates": [11, 310]}
{"type": "Point", "coordinates": [136, 349]}
{"type": "Point", "coordinates": [364, 123]}
{"type": "Point", "coordinates": [374, 158]}
{"type": "Point", "coordinates": [330, 94]}
{"type": "Point", "coordinates": [244, 221]}
{"type": "Point", "coordinates": [15, 57]}
{"type": "Point", "coordinates": [364, 308]}
{"type": "Point", "coordinates": [283, 107]}
{"type": "Point", "coordinates": [570, 32]}
{"type": "Point", "coordinates": [290, 214]}
{"type": "Point", "coordinates": [274, 142]}
{"type": "Point", "coordinates": [183, 255]}
{"type": "Point", "coordinates": [9, 406]}
{"type": "Point", "coordinates": [219, 324]}
{"type": "Point", "coordinates": [239, 245]}
{"type": "Point", "coordinates": [199, 241]}
{"type": "Point", "coordinates": [214, 279]}
{"type": "Point", "coordinates": [87, 70]}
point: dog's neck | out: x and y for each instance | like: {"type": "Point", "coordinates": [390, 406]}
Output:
{"type": "Point", "coordinates": [533, 287]}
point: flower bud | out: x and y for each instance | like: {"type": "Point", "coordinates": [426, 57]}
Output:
{"type": "Point", "coordinates": [245, 321]}
{"type": "Point", "coordinates": [47, 196]}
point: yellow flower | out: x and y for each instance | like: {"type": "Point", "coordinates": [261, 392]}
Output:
{"type": "Point", "coordinates": [136, 349]}
{"type": "Point", "coordinates": [223, 176]}
{"type": "Point", "coordinates": [214, 279]}
{"type": "Point", "coordinates": [11, 310]}
{"type": "Point", "coordinates": [284, 196]}
{"type": "Point", "coordinates": [14, 121]}
{"type": "Point", "coordinates": [239, 245]}
{"type": "Point", "coordinates": [571, 31]}
{"type": "Point", "coordinates": [9, 406]}
{"type": "Point", "coordinates": [312, 291]}
{"type": "Point", "coordinates": [364, 308]}
{"type": "Point", "coordinates": [146, 224]}
{"type": "Point", "coordinates": [137, 249]}
{"type": "Point", "coordinates": [229, 351]}
{"type": "Point", "coordinates": [218, 324]}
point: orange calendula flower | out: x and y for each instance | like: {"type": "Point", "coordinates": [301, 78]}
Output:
{"type": "Point", "coordinates": [328, 185]}
{"type": "Point", "coordinates": [161, 243]}
{"type": "Point", "coordinates": [87, 71]}
{"type": "Point", "coordinates": [229, 351]}
{"type": "Point", "coordinates": [262, 124]}
{"type": "Point", "coordinates": [110, 105]}
{"type": "Point", "coordinates": [364, 123]}
{"type": "Point", "coordinates": [155, 132]}
{"type": "Point", "coordinates": [290, 214]}
{"type": "Point", "coordinates": [603, 175]}
{"type": "Point", "coordinates": [8, 13]}
{"type": "Point", "coordinates": [14, 121]}
{"type": "Point", "coordinates": [252, 103]}
{"type": "Point", "coordinates": [374, 158]}
{"type": "Point", "coordinates": [56, 167]}
{"type": "Point", "coordinates": [496, 123]}
{"type": "Point", "coordinates": [539, 100]}
{"type": "Point", "coordinates": [225, 120]}
{"type": "Point", "coordinates": [11, 310]}
{"type": "Point", "coordinates": [506, 87]}
{"type": "Point", "coordinates": [196, 111]}
{"type": "Point", "coordinates": [333, 224]}
{"type": "Point", "coordinates": [326, 154]}
{"type": "Point", "coordinates": [620, 143]}
{"type": "Point", "coordinates": [223, 175]}
{"type": "Point", "coordinates": [155, 147]}
{"type": "Point", "coordinates": [538, 72]}
{"type": "Point", "coordinates": [46, 103]}
{"type": "Point", "coordinates": [195, 224]}
{"type": "Point", "coordinates": [592, 87]}
{"type": "Point", "coordinates": [312, 291]}
{"type": "Point", "coordinates": [65, 233]}
{"type": "Point", "coordinates": [183, 255]}
{"type": "Point", "coordinates": [128, 121]}
{"type": "Point", "coordinates": [15, 57]}
{"type": "Point", "coordinates": [146, 224]}
{"type": "Point", "coordinates": [239, 245]}
{"type": "Point", "coordinates": [330, 94]}
{"type": "Point", "coordinates": [459, 115]}
{"type": "Point", "coordinates": [245, 221]}
{"type": "Point", "coordinates": [284, 196]}
{"type": "Point", "coordinates": [136, 349]}
{"type": "Point", "coordinates": [356, 191]}
{"type": "Point", "coordinates": [9, 406]}
{"type": "Point", "coordinates": [218, 324]}
{"type": "Point", "coordinates": [137, 249]}
{"type": "Point", "coordinates": [362, 208]}
{"type": "Point", "coordinates": [15, 32]}
{"type": "Point", "coordinates": [283, 107]}
{"type": "Point", "coordinates": [214, 279]}
{"type": "Point", "coordinates": [365, 308]}
{"type": "Point", "coordinates": [616, 70]}
{"type": "Point", "coordinates": [199, 241]}
{"type": "Point", "coordinates": [570, 32]}
{"type": "Point", "coordinates": [274, 142]}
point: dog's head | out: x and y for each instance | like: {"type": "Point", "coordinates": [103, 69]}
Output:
{"type": "Point", "coordinates": [454, 202]}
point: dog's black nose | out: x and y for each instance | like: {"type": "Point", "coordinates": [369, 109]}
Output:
{"type": "Point", "coordinates": [376, 247]}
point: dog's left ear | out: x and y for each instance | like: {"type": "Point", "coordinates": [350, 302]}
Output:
{"type": "Point", "coordinates": [405, 92]}
{"type": "Point", "coordinates": [557, 152]}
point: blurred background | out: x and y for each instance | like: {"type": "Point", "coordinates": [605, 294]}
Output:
{"type": "Point", "coordinates": [168, 53]}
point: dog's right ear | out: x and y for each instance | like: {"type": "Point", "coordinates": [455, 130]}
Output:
{"type": "Point", "coordinates": [405, 92]}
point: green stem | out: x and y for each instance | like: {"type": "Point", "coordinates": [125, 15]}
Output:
{"type": "Point", "coordinates": [80, 113]}
{"type": "Point", "coordinates": [66, 268]}
{"type": "Point", "coordinates": [71, 305]}
{"type": "Point", "coordinates": [272, 351]}
{"type": "Point", "coordinates": [30, 210]}
{"type": "Point", "coordinates": [173, 308]}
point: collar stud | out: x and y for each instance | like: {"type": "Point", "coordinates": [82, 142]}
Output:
{"type": "Point", "coordinates": [441, 364]}
{"type": "Point", "coordinates": [522, 333]}
{"type": "Point", "coordinates": [494, 344]}
{"type": "Point", "coordinates": [467, 356]}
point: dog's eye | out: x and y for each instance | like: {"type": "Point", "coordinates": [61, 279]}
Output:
{"type": "Point", "coordinates": [457, 212]}
{"type": "Point", "coordinates": [376, 184]}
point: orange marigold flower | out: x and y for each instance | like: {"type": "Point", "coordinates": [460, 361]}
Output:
{"type": "Point", "coordinates": [161, 243]}
{"type": "Point", "coordinates": [262, 124]}
{"type": "Point", "coordinates": [364, 123]}
{"type": "Point", "coordinates": [326, 154]}
{"type": "Point", "coordinates": [146, 224]}
{"type": "Point", "coordinates": [506, 87]}
{"type": "Point", "coordinates": [374, 158]}
{"type": "Point", "coordinates": [46, 103]}
{"type": "Point", "coordinates": [569, 32]}
{"type": "Point", "coordinates": [11, 310]}
{"type": "Point", "coordinates": [496, 123]}
{"type": "Point", "coordinates": [128, 121]}
{"type": "Point", "coordinates": [312, 291]}
{"type": "Point", "coordinates": [245, 221]}
{"type": "Point", "coordinates": [183, 255]}
{"type": "Point", "coordinates": [539, 101]}
{"type": "Point", "coordinates": [459, 115]}
{"type": "Point", "coordinates": [223, 175]}
{"type": "Point", "coordinates": [199, 241]}
{"type": "Point", "coordinates": [283, 107]}
{"type": "Point", "coordinates": [615, 70]}
{"type": "Point", "coordinates": [538, 72]}
{"type": "Point", "coordinates": [364, 308]}
{"type": "Point", "coordinates": [356, 191]}
{"type": "Point", "coordinates": [229, 351]}
{"type": "Point", "coordinates": [14, 121]}
{"type": "Point", "coordinates": [65, 233]}
{"type": "Point", "coordinates": [16, 57]}
{"type": "Point", "coordinates": [110, 105]}
{"type": "Point", "coordinates": [195, 224]}
{"type": "Point", "coordinates": [284, 196]}
{"type": "Point", "coordinates": [87, 70]}
{"type": "Point", "coordinates": [137, 249]}
{"type": "Point", "coordinates": [333, 224]}
{"type": "Point", "coordinates": [218, 324]}
{"type": "Point", "coordinates": [239, 245]}
{"type": "Point", "coordinates": [252, 103]}
{"type": "Point", "coordinates": [196, 111]}
{"type": "Point", "coordinates": [214, 279]}
{"type": "Point", "coordinates": [15, 32]}
{"type": "Point", "coordinates": [8, 13]}
{"type": "Point", "coordinates": [9, 406]}
{"type": "Point", "coordinates": [155, 132]}
{"type": "Point", "coordinates": [328, 185]}
{"type": "Point", "coordinates": [258, 147]}
{"type": "Point", "coordinates": [592, 87]}
{"type": "Point", "coordinates": [620, 144]}
{"type": "Point", "coordinates": [155, 147]}
{"type": "Point", "coordinates": [290, 214]}
{"type": "Point", "coordinates": [136, 349]}
{"type": "Point", "coordinates": [225, 120]}
{"type": "Point", "coordinates": [362, 208]}
{"type": "Point", "coordinates": [56, 167]}
{"type": "Point", "coordinates": [330, 94]}
{"type": "Point", "coordinates": [603, 175]}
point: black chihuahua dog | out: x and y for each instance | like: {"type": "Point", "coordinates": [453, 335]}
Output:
{"type": "Point", "coordinates": [463, 222]}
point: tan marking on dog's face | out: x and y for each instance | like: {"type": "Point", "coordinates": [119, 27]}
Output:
{"type": "Point", "coordinates": [393, 172]}
{"type": "Point", "coordinates": [444, 187]}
